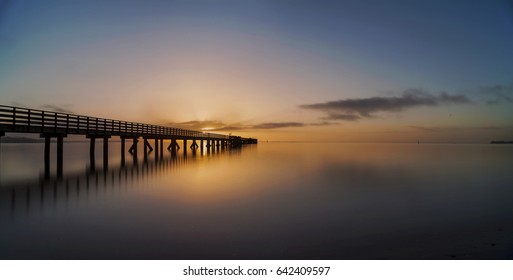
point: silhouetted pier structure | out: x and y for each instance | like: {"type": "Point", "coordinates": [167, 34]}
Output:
{"type": "Point", "coordinates": [59, 125]}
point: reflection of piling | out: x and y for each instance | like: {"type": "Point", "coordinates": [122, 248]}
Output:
{"type": "Point", "coordinates": [68, 187]}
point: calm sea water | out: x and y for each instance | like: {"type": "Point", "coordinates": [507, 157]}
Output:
{"type": "Point", "coordinates": [266, 201]}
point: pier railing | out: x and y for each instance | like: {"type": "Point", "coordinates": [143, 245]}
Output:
{"type": "Point", "coordinates": [18, 119]}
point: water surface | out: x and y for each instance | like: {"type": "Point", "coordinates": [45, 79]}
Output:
{"type": "Point", "coordinates": [265, 201]}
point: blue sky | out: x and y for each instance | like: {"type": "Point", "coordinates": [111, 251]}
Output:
{"type": "Point", "coordinates": [244, 63]}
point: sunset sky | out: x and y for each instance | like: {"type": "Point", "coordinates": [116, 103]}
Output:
{"type": "Point", "coordinates": [439, 71]}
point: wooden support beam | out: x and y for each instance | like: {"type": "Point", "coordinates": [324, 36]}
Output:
{"type": "Point", "coordinates": [47, 157]}
{"type": "Point", "coordinates": [157, 149]}
{"type": "Point", "coordinates": [161, 148]}
{"type": "Point", "coordinates": [60, 155]}
{"type": "Point", "coordinates": [147, 145]}
{"type": "Point", "coordinates": [122, 151]}
{"type": "Point", "coordinates": [105, 153]}
{"type": "Point", "coordinates": [92, 150]}
{"type": "Point", "coordinates": [194, 145]}
{"type": "Point", "coordinates": [145, 149]}
{"type": "Point", "coordinates": [134, 151]}
{"type": "Point", "coordinates": [133, 148]}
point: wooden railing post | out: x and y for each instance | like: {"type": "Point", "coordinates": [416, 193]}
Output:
{"type": "Point", "coordinates": [14, 116]}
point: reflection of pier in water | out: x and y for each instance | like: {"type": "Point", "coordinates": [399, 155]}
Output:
{"type": "Point", "coordinates": [43, 192]}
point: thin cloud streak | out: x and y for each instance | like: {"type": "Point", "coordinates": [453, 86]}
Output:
{"type": "Point", "coordinates": [342, 117]}
{"type": "Point", "coordinates": [498, 94]}
{"type": "Point", "coordinates": [198, 125]}
{"type": "Point", "coordinates": [444, 129]}
{"type": "Point", "coordinates": [58, 108]}
{"type": "Point", "coordinates": [210, 125]}
{"type": "Point", "coordinates": [215, 125]}
{"type": "Point", "coordinates": [273, 125]}
{"type": "Point", "coordinates": [322, 123]}
{"type": "Point", "coordinates": [357, 108]}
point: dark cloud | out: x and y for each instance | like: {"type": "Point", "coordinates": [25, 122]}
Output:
{"type": "Point", "coordinates": [498, 94]}
{"type": "Point", "coordinates": [57, 108]}
{"type": "Point", "coordinates": [354, 109]}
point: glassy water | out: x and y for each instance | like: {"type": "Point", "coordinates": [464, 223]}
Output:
{"type": "Point", "coordinates": [265, 201]}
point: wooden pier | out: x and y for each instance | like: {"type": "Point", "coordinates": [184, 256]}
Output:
{"type": "Point", "coordinates": [59, 125]}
